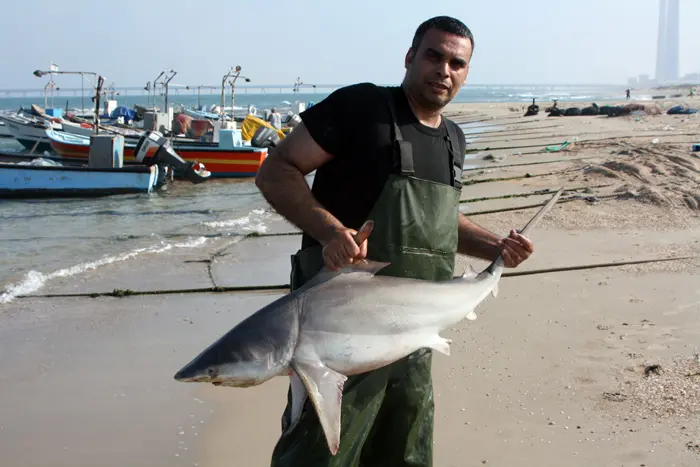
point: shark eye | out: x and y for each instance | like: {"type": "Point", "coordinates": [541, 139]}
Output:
{"type": "Point", "coordinates": [212, 372]}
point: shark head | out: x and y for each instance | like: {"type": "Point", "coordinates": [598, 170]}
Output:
{"type": "Point", "coordinates": [237, 366]}
{"type": "Point", "coordinates": [256, 350]}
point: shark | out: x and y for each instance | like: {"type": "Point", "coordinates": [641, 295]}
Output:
{"type": "Point", "coordinates": [342, 323]}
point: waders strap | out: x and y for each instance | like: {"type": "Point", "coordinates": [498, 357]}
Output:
{"type": "Point", "coordinates": [403, 148]}
{"type": "Point", "coordinates": [455, 161]}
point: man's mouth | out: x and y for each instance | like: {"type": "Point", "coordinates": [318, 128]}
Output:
{"type": "Point", "coordinates": [439, 86]}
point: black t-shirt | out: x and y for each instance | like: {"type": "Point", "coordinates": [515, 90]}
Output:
{"type": "Point", "coordinates": [354, 125]}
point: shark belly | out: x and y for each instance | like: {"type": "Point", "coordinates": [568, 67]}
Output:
{"type": "Point", "coordinates": [351, 354]}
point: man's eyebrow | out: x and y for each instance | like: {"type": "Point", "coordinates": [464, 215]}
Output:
{"type": "Point", "coordinates": [430, 50]}
{"type": "Point", "coordinates": [458, 60]}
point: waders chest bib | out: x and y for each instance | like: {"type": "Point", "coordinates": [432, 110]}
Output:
{"type": "Point", "coordinates": [387, 414]}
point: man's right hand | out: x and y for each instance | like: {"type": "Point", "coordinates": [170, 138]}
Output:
{"type": "Point", "coordinates": [346, 246]}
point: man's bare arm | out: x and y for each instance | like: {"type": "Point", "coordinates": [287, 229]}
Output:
{"type": "Point", "coordinates": [281, 181]}
{"type": "Point", "coordinates": [479, 242]}
{"type": "Point", "coordinates": [476, 241]}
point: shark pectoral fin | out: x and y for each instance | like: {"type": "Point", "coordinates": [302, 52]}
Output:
{"type": "Point", "coordinates": [298, 398]}
{"type": "Point", "coordinates": [325, 388]}
{"type": "Point", "coordinates": [494, 291]}
{"type": "Point", "coordinates": [438, 343]}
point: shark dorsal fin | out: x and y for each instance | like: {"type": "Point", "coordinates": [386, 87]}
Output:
{"type": "Point", "coordinates": [363, 267]}
{"type": "Point", "coordinates": [366, 266]}
{"type": "Point", "coordinates": [470, 273]}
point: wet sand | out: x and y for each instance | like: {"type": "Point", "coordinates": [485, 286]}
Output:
{"type": "Point", "coordinates": [551, 372]}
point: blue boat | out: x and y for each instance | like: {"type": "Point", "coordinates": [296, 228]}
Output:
{"type": "Point", "coordinates": [40, 181]}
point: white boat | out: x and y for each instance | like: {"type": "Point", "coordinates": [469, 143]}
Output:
{"type": "Point", "coordinates": [77, 128]}
{"type": "Point", "coordinates": [29, 130]}
{"type": "Point", "coordinates": [4, 131]}
{"type": "Point", "coordinates": [87, 129]}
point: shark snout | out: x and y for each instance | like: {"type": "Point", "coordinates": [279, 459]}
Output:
{"type": "Point", "coordinates": [195, 374]}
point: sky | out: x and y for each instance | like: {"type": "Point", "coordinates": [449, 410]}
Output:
{"type": "Point", "coordinates": [332, 42]}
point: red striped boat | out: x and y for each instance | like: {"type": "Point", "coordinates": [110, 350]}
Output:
{"type": "Point", "coordinates": [243, 161]}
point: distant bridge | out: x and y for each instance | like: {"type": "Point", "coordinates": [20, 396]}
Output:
{"type": "Point", "coordinates": [174, 89]}
{"type": "Point", "coordinates": [264, 88]}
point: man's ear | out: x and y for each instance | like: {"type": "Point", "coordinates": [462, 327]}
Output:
{"type": "Point", "coordinates": [466, 76]}
{"type": "Point", "coordinates": [409, 58]}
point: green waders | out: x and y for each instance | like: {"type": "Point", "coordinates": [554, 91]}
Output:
{"type": "Point", "coordinates": [387, 414]}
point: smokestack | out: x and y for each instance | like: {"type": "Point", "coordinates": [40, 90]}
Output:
{"type": "Point", "coordinates": [672, 40]}
{"type": "Point", "coordinates": [661, 44]}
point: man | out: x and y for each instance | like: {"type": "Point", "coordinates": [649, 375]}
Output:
{"type": "Point", "coordinates": [275, 119]}
{"type": "Point", "coordinates": [388, 155]}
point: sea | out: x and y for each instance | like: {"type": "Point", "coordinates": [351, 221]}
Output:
{"type": "Point", "coordinates": [47, 239]}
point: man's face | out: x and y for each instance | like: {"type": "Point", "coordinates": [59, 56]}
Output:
{"type": "Point", "coordinates": [438, 69]}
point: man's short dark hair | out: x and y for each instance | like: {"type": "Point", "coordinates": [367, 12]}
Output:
{"type": "Point", "coordinates": [445, 24]}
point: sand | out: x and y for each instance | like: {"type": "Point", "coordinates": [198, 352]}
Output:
{"type": "Point", "coordinates": [592, 367]}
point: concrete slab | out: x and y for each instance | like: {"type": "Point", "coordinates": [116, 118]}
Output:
{"type": "Point", "coordinates": [519, 171]}
{"type": "Point", "coordinates": [255, 261]}
{"type": "Point", "coordinates": [530, 200]}
{"type": "Point", "coordinates": [173, 268]}
{"type": "Point", "coordinates": [526, 159]}
{"type": "Point", "coordinates": [556, 248]}
{"type": "Point", "coordinates": [527, 137]}
{"type": "Point", "coordinates": [516, 187]}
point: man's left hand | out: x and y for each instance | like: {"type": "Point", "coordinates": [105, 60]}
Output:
{"type": "Point", "coordinates": [515, 249]}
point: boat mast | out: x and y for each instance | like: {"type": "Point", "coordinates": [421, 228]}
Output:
{"type": "Point", "coordinates": [98, 86]}
{"type": "Point", "coordinates": [166, 81]}
{"type": "Point", "coordinates": [235, 73]}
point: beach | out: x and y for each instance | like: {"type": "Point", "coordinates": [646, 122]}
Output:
{"type": "Point", "coordinates": [581, 360]}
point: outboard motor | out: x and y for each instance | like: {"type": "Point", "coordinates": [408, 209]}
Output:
{"type": "Point", "coordinates": [265, 137]}
{"type": "Point", "coordinates": [195, 172]}
{"type": "Point", "coordinates": [293, 120]}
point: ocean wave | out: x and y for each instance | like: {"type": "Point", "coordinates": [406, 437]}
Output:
{"type": "Point", "coordinates": [35, 280]}
{"type": "Point", "coordinates": [252, 222]}
{"type": "Point", "coordinates": [114, 212]}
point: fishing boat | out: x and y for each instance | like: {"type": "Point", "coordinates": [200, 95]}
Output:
{"type": "Point", "coordinates": [222, 162]}
{"type": "Point", "coordinates": [201, 114]}
{"type": "Point", "coordinates": [28, 130]}
{"type": "Point", "coordinates": [40, 179]}
{"type": "Point", "coordinates": [4, 131]}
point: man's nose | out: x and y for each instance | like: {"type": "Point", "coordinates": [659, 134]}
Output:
{"type": "Point", "coordinates": [443, 69]}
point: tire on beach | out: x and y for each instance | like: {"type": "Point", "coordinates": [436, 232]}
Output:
{"type": "Point", "coordinates": [618, 111]}
{"type": "Point", "coordinates": [572, 112]}
{"type": "Point", "coordinates": [592, 110]}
